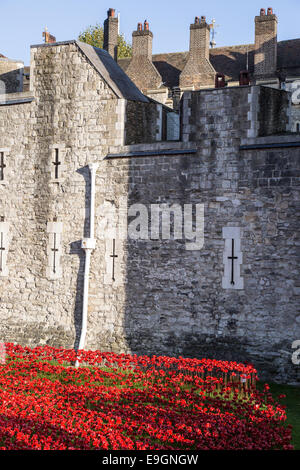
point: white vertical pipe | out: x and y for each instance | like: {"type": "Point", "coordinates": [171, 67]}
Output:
{"type": "Point", "coordinates": [85, 299]}
{"type": "Point", "coordinates": [88, 245]}
{"type": "Point", "coordinates": [93, 169]}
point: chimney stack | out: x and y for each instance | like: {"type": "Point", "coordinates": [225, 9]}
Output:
{"type": "Point", "coordinates": [111, 30]}
{"type": "Point", "coordinates": [265, 58]}
{"type": "Point", "coordinates": [49, 39]}
{"type": "Point", "coordinates": [198, 70]}
{"type": "Point", "coordinates": [141, 69]}
{"type": "Point", "coordinates": [220, 81]}
{"type": "Point", "coordinates": [142, 41]}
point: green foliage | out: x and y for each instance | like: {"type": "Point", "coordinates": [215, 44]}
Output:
{"type": "Point", "coordinates": [94, 35]}
{"type": "Point", "coordinates": [292, 403]}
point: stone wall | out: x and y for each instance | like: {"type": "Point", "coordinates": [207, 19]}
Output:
{"type": "Point", "coordinates": [272, 116]}
{"type": "Point", "coordinates": [181, 306]}
{"type": "Point", "coordinates": [150, 122]}
{"type": "Point", "coordinates": [73, 109]}
{"type": "Point", "coordinates": [143, 122]}
{"type": "Point", "coordinates": [11, 76]}
{"type": "Point", "coordinates": [161, 298]}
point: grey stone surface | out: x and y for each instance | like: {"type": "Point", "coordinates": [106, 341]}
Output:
{"type": "Point", "coordinates": [11, 76]}
{"type": "Point", "coordinates": [167, 300]}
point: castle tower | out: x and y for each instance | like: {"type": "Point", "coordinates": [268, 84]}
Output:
{"type": "Point", "coordinates": [141, 69]}
{"type": "Point", "coordinates": [265, 58]}
{"type": "Point", "coordinates": [198, 71]}
{"type": "Point", "coordinates": [111, 29]}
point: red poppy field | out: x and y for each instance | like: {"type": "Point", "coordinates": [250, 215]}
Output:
{"type": "Point", "coordinates": [117, 402]}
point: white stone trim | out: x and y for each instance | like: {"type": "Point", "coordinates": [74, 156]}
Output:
{"type": "Point", "coordinates": [289, 123]}
{"type": "Point", "coordinates": [229, 234]}
{"type": "Point", "coordinates": [186, 113]}
{"type": "Point", "coordinates": [295, 89]}
{"type": "Point", "coordinates": [54, 230]}
{"type": "Point", "coordinates": [253, 113]}
{"type": "Point", "coordinates": [173, 127]}
{"type": "Point", "coordinates": [120, 124]}
{"type": "Point", "coordinates": [295, 126]}
{"type": "Point", "coordinates": [159, 123]}
{"type": "Point", "coordinates": [4, 229]}
{"type": "Point", "coordinates": [33, 51]}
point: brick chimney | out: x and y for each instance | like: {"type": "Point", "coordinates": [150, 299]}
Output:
{"type": "Point", "coordinates": [49, 39]}
{"type": "Point", "coordinates": [111, 30]}
{"type": "Point", "coordinates": [142, 41]}
{"type": "Point", "coordinates": [141, 69]}
{"type": "Point", "coordinates": [198, 70]}
{"type": "Point", "coordinates": [265, 58]}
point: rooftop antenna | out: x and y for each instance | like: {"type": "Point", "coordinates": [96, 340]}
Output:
{"type": "Point", "coordinates": [247, 60]}
{"type": "Point", "coordinates": [213, 32]}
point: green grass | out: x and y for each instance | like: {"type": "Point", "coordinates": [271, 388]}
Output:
{"type": "Point", "coordinates": [292, 403]}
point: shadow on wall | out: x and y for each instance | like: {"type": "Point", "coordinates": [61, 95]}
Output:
{"type": "Point", "coordinates": [170, 74]}
{"type": "Point", "coordinates": [265, 60]}
{"type": "Point", "coordinates": [232, 66]}
{"type": "Point", "coordinates": [11, 82]}
{"type": "Point", "coordinates": [75, 249]}
{"type": "Point", "coordinates": [163, 291]}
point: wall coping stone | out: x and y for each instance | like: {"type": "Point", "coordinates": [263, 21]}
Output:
{"type": "Point", "coordinates": [272, 141]}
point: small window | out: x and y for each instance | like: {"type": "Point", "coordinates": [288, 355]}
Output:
{"type": "Point", "coordinates": [298, 127]}
{"type": "Point", "coordinates": [3, 165]}
{"type": "Point", "coordinates": [54, 250]}
{"type": "Point", "coordinates": [56, 163]}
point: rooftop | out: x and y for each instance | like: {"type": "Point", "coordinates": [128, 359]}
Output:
{"type": "Point", "coordinates": [228, 60]}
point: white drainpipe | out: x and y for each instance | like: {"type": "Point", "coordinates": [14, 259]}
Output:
{"type": "Point", "coordinates": [88, 245]}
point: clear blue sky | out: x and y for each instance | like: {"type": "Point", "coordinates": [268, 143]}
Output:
{"type": "Point", "coordinates": [22, 22]}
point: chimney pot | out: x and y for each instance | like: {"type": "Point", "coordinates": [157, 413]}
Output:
{"type": "Point", "coordinates": [203, 19]}
{"type": "Point", "coordinates": [270, 11]}
{"type": "Point", "coordinates": [111, 13]}
{"type": "Point", "coordinates": [146, 25]}
{"type": "Point", "coordinates": [49, 39]}
{"type": "Point", "coordinates": [140, 27]}
{"type": "Point", "coordinates": [220, 80]}
{"type": "Point", "coordinates": [197, 20]}
{"type": "Point", "coordinates": [262, 12]}
{"type": "Point", "coordinates": [244, 77]}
